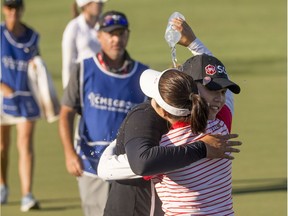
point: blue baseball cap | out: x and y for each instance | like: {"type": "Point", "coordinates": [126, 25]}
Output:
{"type": "Point", "coordinates": [13, 3]}
{"type": "Point", "coordinates": [112, 20]}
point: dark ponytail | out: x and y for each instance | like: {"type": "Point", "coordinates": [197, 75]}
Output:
{"type": "Point", "coordinates": [199, 114]}
{"type": "Point", "coordinates": [179, 90]}
{"type": "Point", "coordinates": [75, 10]}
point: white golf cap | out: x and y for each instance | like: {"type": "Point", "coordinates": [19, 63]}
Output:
{"type": "Point", "coordinates": [149, 83]}
{"type": "Point", "coordinates": [81, 3]}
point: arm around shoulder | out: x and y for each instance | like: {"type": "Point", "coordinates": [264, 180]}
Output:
{"type": "Point", "coordinates": [114, 167]}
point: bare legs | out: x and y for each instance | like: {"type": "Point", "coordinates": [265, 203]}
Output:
{"type": "Point", "coordinates": [25, 131]}
{"type": "Point", "coordinates": [5, 141]}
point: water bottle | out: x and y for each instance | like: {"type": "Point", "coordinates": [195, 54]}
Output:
{"type": "Point", "coordinates": [172, 36]}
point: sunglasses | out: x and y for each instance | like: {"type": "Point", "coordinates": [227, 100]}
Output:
{"type": "Point", "coordinates": [13, 3]}
{"type": "Point", "coordinates": [10, 7]}
{"type": "Point", "coordinates": [114, 20]}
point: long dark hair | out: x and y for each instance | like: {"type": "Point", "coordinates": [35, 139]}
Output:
{"type": "Point", "coordinates": [75, 10]}
{"type": "Point", "coordinates": [179, 90]}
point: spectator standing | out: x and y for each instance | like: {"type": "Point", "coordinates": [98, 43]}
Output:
{"type": "Point", "coordinates": [101, 89]}
{"type": "Point", "coordinates": [80, 36]}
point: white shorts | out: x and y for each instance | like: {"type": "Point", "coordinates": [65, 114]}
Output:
{"type": "Point", "coordinates": [6, 119]}
{"type": "Point", "coordinates": [12, 120]}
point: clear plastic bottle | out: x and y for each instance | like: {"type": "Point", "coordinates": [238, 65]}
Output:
{"type": "Point", "coordinates": [172, 36]}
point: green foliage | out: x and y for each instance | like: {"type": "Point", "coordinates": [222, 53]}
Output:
{"type": "Point", "coordinates": [248, 36]}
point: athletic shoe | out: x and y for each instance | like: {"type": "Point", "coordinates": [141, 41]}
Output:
{"type": "Point", "coordinates": [28, 203]}
{"type": "Point", "coordinates": [4, 194]}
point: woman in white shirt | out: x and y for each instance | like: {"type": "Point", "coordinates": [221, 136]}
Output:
{"type": "Point", "coordinates": [80, 36]}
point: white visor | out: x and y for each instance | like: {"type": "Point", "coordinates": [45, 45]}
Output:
{"type": "Point", "coordinates": [81, 3]}
{"type": "Point", "coordinates": [149, 83]}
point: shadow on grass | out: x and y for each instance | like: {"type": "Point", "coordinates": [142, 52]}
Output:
{"type": "Point", "coordinates": [246, 186]}
{"type": "Point", "coordinates": [54, 204]}
{"type": "Point", "coordinates": [259, 185]}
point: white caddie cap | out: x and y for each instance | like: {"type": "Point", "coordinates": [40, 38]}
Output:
{"type": "Point", "coordinates": [149, 83]}
{"type": "Point", "coordinates": [81, 3]}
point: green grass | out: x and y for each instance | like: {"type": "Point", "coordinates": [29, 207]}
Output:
{"type": "Point", "coordinates": [248, 36]}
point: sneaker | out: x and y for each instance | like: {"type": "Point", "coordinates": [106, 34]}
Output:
{"type": "Point", "coordinates": [4, 194]}
{"type": "Point", "coordinates": [28, 203]}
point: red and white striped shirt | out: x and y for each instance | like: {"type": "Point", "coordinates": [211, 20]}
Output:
{"type": "Point", "coordinates": [202, 188]}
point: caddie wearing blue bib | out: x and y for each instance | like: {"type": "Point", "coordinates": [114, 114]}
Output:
{"type": "Point", "coordinates": [105, 100]}
{"type": "Point", "coordinates": [15, 56]}
{"type": "Point", "coordinates": [101, 89]}
{"type": "Point", "coordinates": [19, 45]}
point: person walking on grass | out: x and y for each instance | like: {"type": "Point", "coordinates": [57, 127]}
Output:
{"type": "Point", "coordinates": [19, 44]}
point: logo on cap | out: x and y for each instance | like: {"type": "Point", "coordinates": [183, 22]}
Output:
{"type": "Point", "coordinates": [210, 69]}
